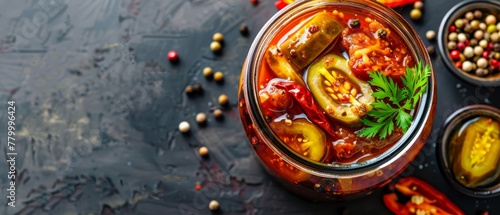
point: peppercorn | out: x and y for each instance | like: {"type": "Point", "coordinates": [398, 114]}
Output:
{"type": "Point", "coordinates": [431, 49]}
{"type": "Point", "coordinates": [172, 56]}
{"type": "Point", "coordinates": [218, 37]}
{"type": "Point", "coordinates": [452, 45]}
{"type": "Point", "coordinates": [188, 89]}
{"type": "Point", "coordinates": [203, 151]}
{"type": "Point", "coordinates": [453, 36]}
{"type": "Point", "coordinates": [418, 5]}
{"type": "Point", "coordinates": [382, 33]}
{"type": "Point", "coordinates": [497, 56]}
{"type": "Point", "coordinates": [494, 37]}
{"type": "Point", "coordinates": [430, 34]}
{"type": "Point", "coordinates": [213, 205]}
{"type": "Point", "coordinates": [223, 99]}
{"type": "Point", "coordinates": [467, 66]}
{"type": "Point", "coordinates": [184, 127]}
{"type": "Point", "coordinates": [459, 23]}
{"type": "Point", "coordinates": [244, 29]}
{"type": "Point", "coordinates": [482, 26]}
{"type": "Point", "coordinates": [468, 52]}
{"type": "Point", "coordinates": [415, 14]}
{"type": "Point", "coordinates": [218, 76]}
{"type": "Point", "coordinates": [197, 88]}
{"type": "Point", "coordinates": [496, 47]}
{"type": "Point", "coordinates": [481, 72]}
{"type": "Point", "coordinates": [215, 46]}
{"type": "Point", "coordinates": [478, 35]}
{"type": "Point", "coordinates": [207, 72]}
{"type": "Point", "coordinates": [218, 113]}
{"type": "Point", "coordinates": [461, 46]}
{"type": "Point", "coordinates": [482, 63]}
{"type": "Point", "coordinates": [478, 14]}
{"type": "Point", "coordinates": [201, 118]}
{"type": "Point", "coordinates": [473, 42]}
{"type": "Point", "coordinates": [455, 54]}
{"type": "Point", "coordinates": [461, 37]}
{"type": "Point", "coordinates": [474, 24]}
{"type": "Point", "coordinates": [491, 28]}
{"type": "Point", "coordinates": [478, 50]}
{"type": "Point", "coordinates": [469, 15]}
{"type": "Point", "coordinates": [490, 20]}
{"type": "Point", "coordinates": [354, 23]}
{"type": "Point", "coordinates": [483, 43]}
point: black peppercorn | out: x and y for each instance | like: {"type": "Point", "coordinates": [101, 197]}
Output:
{"type": "Point", "coordinates": [197, 88]}
{"type": "Point", "coordinates": [244, 29]}
{"type": "Point", "coordinates": [354, 23]}
{"type": "Point", "coordinates": [382, 33]}
{"type": "Point", "coordinates": [431, 49]}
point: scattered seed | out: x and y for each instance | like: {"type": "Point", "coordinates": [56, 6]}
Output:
{"type": "Point", "coordinates": [243, 29]}
{"type": "Point", "coordinates": [415, 14]}
{"type": "Point", "coordinates": [215, 46]}
{"type": "Point", "coordinates": [478, 14]}
{"type": "Point", "coordinates": [418, 5]}
{"type": "Point", "coordinates": [197, 88]}
{"type": "Point", "coordinates": [172, 56]}
{"type": "Point", "coordinates": [218, 37]}
{"type": "Point", "coordinates": [223, 99]}
{"type": "Point", "coordinates": [207, 72]}
{"type": "Point", "coordinates": [431, 49]}
{"type": "Point", "coordinates": [201, 118]}
{"type": "Point", "coordinates": [184, 127]}
{"type": "Point", "coordinates": [213, 205]}
{"type": "Point", "coordinates": [188, 89]}
{"type": "Point", "coordinates": [203, 151]}
{"type": "Point", "coordinates": [430, 34]}
{"type": "Point", "coordinates": [218, 76]}
{"type": "Point", "coordinates": [218, 113]}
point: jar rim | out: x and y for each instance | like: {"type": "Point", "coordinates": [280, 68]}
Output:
{"type": "Point", "coordinates": [422, 113]}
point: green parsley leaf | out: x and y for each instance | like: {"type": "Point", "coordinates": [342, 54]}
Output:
{"type": "Point", "coordinates": [393, 104]}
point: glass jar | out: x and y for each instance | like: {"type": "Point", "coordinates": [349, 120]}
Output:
{"type": "Point", "coordinates": [327, 181]}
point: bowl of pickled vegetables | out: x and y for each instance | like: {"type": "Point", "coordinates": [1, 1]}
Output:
{"type": "Point", "coordinates": [469, 150]}
{"type": "Point", "coordinates": [337, 97]}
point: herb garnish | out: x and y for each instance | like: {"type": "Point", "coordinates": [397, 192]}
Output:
{"type": "Point", "coordinates": [393, 103]}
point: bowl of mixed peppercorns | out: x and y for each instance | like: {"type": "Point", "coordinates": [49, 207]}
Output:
{"type": "Point", "coordinates": [469, 41]}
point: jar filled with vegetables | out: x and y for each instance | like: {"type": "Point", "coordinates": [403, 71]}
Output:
{"type": "Point", "coordinates": [337, 97]}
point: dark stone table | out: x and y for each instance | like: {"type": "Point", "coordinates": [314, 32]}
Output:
{"type": "Point", "coordinates": [98, 106]}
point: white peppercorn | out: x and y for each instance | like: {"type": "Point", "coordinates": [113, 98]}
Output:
{"type": "Point", "coordinates": [478, 14]}
{"type": "Point", "coordinates": [201, 118]}
{"type": "Point", "coordinates": [213, 205]}
{"type": "Point", "coordinates": [467, 66]}
{"type": "Point", "coordinates": [218, 37]}
{"type": "Point", "coordinates": [184, 127]}
{"type": "Point", "coordinates": [478, 50]}
{"type": "Point", "coordinates": [430, 34]}
{"type": "Point", "coordinates": [215, 46]}
{"type": "Point", "coordinates": [459, 23]}
{"type": "Point", "coordinates": [474, 24]}
{"type": "Point", "coordinates": [453, 36]}
{"type": "Point", "coordinates": [452, 45]}
{"type": "Point", "coordinates": [483, 43]}
{"type": "Point", "coordinates": [481, 72]}
{"type": "Point", "coordinates": [207, 72]}
{"type": "Point", "coordinates": [469, 15]}
{"type": "Point", "coordinates": [478, 35]}
{"type": "Point", "coordinates": [203, 151]}
{"type": "Point", "coordinates": [482, 63]}
{"type": "Point", "coordinates": [490, 19]}
{"type": "Point", "coordinates": [494, 37]}
{"type": "Point", "coordinates": [468, 52]}
{"type": "Point", "coordinates": [461, 37]}
{"type": "Point", "coordinates": [482, 26]}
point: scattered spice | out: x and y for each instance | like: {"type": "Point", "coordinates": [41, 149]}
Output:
{"type": "Point", "coordinates": [215, 46]}
{"type": "Point", "coordinates": [172, 56]}
{"type": "Point", "coordinates": [244, 29]}
{"type": "Point", "coordinates": [218, 76]}
{"type": "Point", "coordinates": [207, 72]}
{"type": "Point", "coordinates": [418, 5]}
{"type": "Point", "coordinates": [197, 186]}
{"type": "Point", "coordinates": [431, 49]}
{"type": "Point", "coordinates": [218, 113]}
{"type": "Point", "coordinates": [415, 14]}
{"type": "Point", "coordinates": [223, 99]}
{"type": "Point", "coordinates": [213, 205]}
{"type": "Point", "coordinates": [203, 151]}
{"type": "Point", "coordinates": [430, 34]}
{"type": "Point", "coordinates": [184, 127]}
{"type": "Point", "coordinates": [201, 118]}
{"type": "Point", "coordinates": [218, 37]}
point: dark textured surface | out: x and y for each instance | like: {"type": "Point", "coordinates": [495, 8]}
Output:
{"type": "Point", "coordinates": [98, 105]}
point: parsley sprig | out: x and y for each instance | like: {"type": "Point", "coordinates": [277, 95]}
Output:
{"type": "Point", "coordinates": [393, 103]}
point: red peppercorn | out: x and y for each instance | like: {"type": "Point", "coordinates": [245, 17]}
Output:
{"type": "Point", "coordinates": [461, 46]}
{"type": "Point", "coordinates": [490, 46]}
{"type": "Point", "coordinates": [453, 28]}
{"type": "Point", "coordinates": [485, 54]}
{"type": "Point", "coordinates": [458, 64]}
{"type": "Point", "coordinates": [172, 56]}
{"type": "Point", "coordinates": [455, 54]}
{"type": "Point", "coordinates": [495, 63]}
{"type": "Point", "coordinates": [467, 42]}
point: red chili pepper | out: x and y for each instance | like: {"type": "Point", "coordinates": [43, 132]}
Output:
{"type": "Point", "coordinates": [397, 3]}
{"type": "Point", "coordinates": [431, 199]}
{"type": "Point", "coordinates": [304, 97]}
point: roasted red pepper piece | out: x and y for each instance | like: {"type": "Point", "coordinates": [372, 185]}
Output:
{"type": "Point", "coordinates": [306, 100]}
{"type": "Point", "coordinates": [424, 197]}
